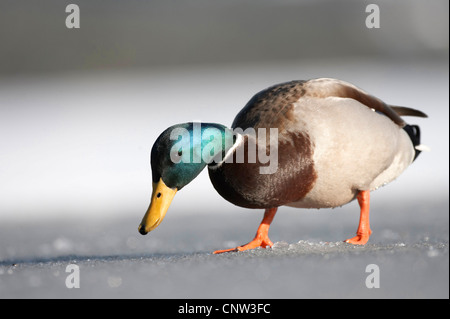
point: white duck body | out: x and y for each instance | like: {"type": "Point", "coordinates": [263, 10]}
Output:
{"type": "Point", "coordinates": [354, 149]}
{"type": "Point", "coordinates": [334, 141]}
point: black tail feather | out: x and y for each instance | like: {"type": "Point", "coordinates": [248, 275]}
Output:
{"type": "Point", "coordinates": [414, 134]}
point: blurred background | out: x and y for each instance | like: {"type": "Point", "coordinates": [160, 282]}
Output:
{"type": "Point", "coordinates": [81, 108]}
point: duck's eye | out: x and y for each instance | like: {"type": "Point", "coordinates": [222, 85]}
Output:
{"type": "Point", "coordinates": [158, 195]}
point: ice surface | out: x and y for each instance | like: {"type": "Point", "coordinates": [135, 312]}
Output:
{"type": "Point", "coordinates": [308, 259]}
{"type": "Point", "coordinates": [75, 183]}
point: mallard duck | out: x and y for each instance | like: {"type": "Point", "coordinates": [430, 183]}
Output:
{"type": "Point", "coordinates": [319, 143]}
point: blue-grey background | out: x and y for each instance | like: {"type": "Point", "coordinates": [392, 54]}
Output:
{"type": "Point", "coordinates": [81, 108]}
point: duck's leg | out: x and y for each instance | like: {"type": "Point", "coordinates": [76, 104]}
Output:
{"type": "Point", "coordinates": [262, 234]}
{"type": "Point", "coordinates": [363, 232]}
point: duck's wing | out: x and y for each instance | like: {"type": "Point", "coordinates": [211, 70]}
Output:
{"type": "Point", "coordinates": [273, 106]}
{"type": "Point", "coordinates": [326, 87]}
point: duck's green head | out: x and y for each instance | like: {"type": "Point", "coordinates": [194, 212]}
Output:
{"type": "Point", "coordinates": [179, 154]}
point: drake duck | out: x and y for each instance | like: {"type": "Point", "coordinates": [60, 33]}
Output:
{"type": "Point", "coordinates": [330, 142]}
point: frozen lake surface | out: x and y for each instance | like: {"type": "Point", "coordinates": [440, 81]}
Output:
{"type": "Point", "coordinates": [308, 260]}
{"type": "Point", "coordinates": [75, 183]}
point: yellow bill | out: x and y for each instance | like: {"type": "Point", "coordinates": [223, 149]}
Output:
{"type": "Point", "coordinates": [161, 198]}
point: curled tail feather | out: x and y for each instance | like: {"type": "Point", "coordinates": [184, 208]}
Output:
{"type": "Point", "coordinates": [407, 111]}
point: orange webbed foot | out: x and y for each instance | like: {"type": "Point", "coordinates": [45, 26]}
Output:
{"type": "Point", "coordinates": [360, 239]}
{"type": "Point", "coordinates": [256, 242]}
{"type": "Point", "coordinates": [262, 234]}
